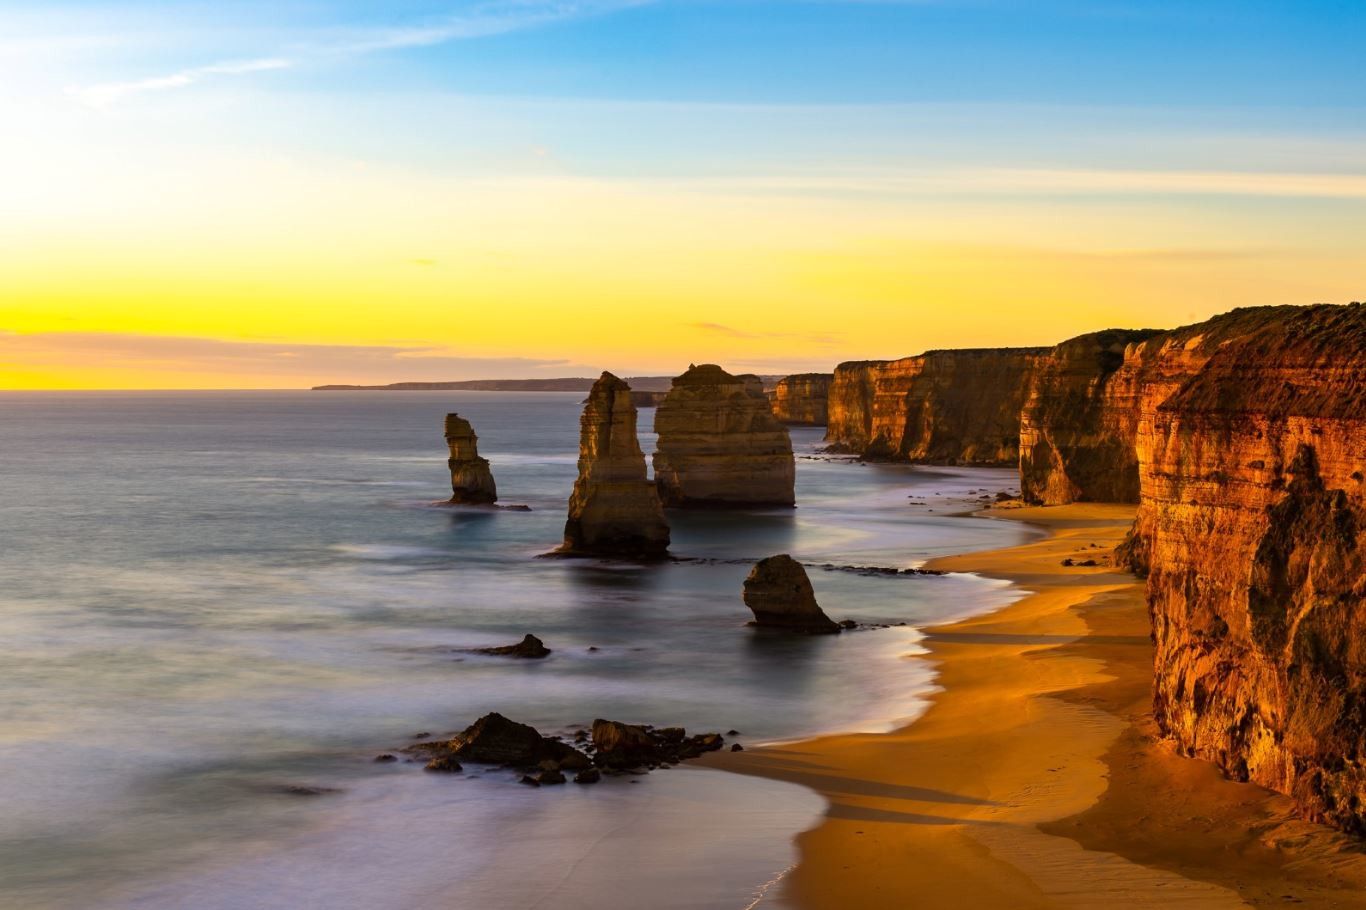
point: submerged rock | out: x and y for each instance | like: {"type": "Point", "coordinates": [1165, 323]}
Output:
{"type": "Point", "coordinates": [471, 479]}
{"type": "Point", "coordinates": [529, 647]}
{"type": "Point", "coordinates": [614, 510]}
{"type": "Point", "coordinates": [720, 444]}
{"type": "Point", "coordinates": [780, 596]}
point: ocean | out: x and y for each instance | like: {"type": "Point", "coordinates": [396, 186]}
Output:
{"type": "Point", "coordinates": [217, 608]}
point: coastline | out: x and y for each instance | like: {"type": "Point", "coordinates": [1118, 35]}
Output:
{"type": "Point", "coordinates": [1034, 778]}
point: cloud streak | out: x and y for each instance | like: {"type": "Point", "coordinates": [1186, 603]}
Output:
{"type": "Point", "coordinates": [311, 364]}
{"type": "Point", "coordinates": [482, 20]}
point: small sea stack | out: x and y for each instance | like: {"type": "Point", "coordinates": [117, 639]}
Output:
{"type": "Point", "coordinates": [614, 510]}
{"type": "Point", "coordinates": [720, 444]}
{"type": "Point", "coordinates": [471, 479]}
{"type": "Point", "coordinates": [781, 597]}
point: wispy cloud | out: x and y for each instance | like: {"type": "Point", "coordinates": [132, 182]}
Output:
{"type": "Point", "coordinates": [304, 364]}
{"type": "Point", "coordinates": [1060, 181]}
{"type": "Point", "coordinates": [482, 20]}
{"type": "Point", "coordinates": [103, 94]}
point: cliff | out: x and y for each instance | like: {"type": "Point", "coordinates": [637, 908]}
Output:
{"type": "Point", "coordinates": [1089, 397]}
{"type": "Point", "coordinates": [1079, 423]}
{"type": "Point", "coordinates": [471, 479]}
{"type": "Point", "coordinates": [719, 443]}
{"type": "Point", "coordinates": [941, 407]}
{"type": "Point", "coordinates": [1253, 527]}
{"type": "Point", "coordinates": [614, 510]}
{"type": "Point", "coordinates": [802, 399]}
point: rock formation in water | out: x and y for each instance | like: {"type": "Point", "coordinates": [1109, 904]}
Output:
{"type": "Point", "coordinates": [1253, 527]}
{"type": "Point", "coordinates": [801, 399]}
{"type": "Point", "coordinates": [719, 443]}
{"type": "Point", "coordinates": [471, 479]}
{"type": "Point", "coordinates": [780, 595]}
{"type": "Point", "coordinates": [941, 407]}
{"type": "Point", "coordinates": [614, 510]}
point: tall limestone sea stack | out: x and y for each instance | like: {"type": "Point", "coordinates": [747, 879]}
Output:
{"type": "Point", "coordinates": [1253, 520]}
{"type": "Point", "coordinates": [720, 445]}
{"type": "Point", "coordinates": [615, 509]}
{"type": "Point", "coordinates": [471, 479]}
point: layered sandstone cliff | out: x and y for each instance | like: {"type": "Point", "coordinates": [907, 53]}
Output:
{"type": "Point", "coordinates": [471, 479]}
{"type": "Point", "coordinates": [1253, 523]}
{"type": "Point", "coordinates": [1079, 422]}
{"type": "Point", "coordinates": [614, 510]}
{"type": "Point", "coordinates": [719, 443]}
{"type": "Point", "coordinates": [941, 407]}
{"type": "Point", "coordinates": [802, 399]}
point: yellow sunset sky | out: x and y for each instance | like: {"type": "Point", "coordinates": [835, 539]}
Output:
{"type": "Point", "coordinates": [379, 214]}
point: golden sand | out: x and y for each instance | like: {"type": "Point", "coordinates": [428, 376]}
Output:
{"type": "Point", "coordinates": [1035, 779]}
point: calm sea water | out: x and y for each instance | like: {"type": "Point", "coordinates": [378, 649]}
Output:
{"type": "Point", "coordinates": [210, 600]}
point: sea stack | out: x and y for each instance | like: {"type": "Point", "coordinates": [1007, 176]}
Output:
{"type": "Point", "coordinates": [471, 479]}
{"type": "Point", "coordinates": [720, 445]}
{"type": "Point", "coordinates": [781, 597]}
{"type": "Point", "coordinates": [615, 510]}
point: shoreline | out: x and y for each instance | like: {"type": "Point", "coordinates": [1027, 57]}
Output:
{"type": "Point", "coordinates": [1035, 778]}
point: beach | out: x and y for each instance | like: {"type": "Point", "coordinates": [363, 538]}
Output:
{"type": "Point", "coordinates": [1035, 777]}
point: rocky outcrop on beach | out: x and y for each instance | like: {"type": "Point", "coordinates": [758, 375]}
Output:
{"type": "Point", "coordinates": [802, 399]}
{"type": "Point", "coordinates": [780, 595]}
{"type": "Point", "coordinates": [959, 407]}
{"type": "Point", "coordinates": [471, 479]}
{"type": "Point", "coordinates": [614, 510]}
{"type": "Point", "coordinates": [720, 445]}
{"type": "Point", "coordinates": [1252, 525]}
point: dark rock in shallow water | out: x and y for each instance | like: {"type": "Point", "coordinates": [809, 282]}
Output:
{"type": "Point", "coordinates": [444, 763]}
{"type": "Point", "coordinates": [386, 757]}
{"type": "Point", "coordinates": [780, 596]}
{"type": "Point", "coordinates": [551, 776]}
{"type": "Point", "coordinates": [529, 647]}
{"type": "Point", "coordinates": [624, 746]}
{"type": "Point", "coordinates": [737, 748]}
{"type": "Point", "coordinates": [588, 776]}
{"type": "Point", "coordinates": [495, 740]}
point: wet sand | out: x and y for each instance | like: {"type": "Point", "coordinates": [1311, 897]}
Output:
{"type": "Point", "coordinates": [1035, 778]}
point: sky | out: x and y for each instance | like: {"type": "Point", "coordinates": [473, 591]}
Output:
{"type": "Point", "coordinates": [297, 192]}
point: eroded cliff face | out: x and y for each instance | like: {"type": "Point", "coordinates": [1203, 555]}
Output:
{"type": "Point", "coordinates": [1090, 396]}
{"type": "Point", "coordinates": [802, 399]}
{"type": "Point", "coordinates": [849, 410]}
{"type": "Point", "coordinates": [1253, 523]}
{"type": "Point", "coordinates": [719, 443]}
{"type": "Point", "coordinates": [941, 407]}
{"type": "Point", "coordinates": [614, 510]}
{"type": "Point", "coordinates": [1079, 422]}
{"type": "Point", "coordinates": [471, 478]}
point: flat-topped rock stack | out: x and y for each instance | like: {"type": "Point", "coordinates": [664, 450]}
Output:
{"type": "Point", "coordinates": [615, 509]}
{"type": "Point", "coordinates": [720, 444]}
{"type": "Point", "coordinates": [471, 479]}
